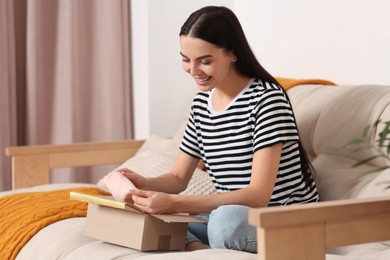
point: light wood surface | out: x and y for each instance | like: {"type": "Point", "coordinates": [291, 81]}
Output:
{"type": "Point", "coordinates": [31, 164]}
{"type": "Point", "coordinates": [304, 232]}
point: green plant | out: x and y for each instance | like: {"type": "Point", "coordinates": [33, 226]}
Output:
{"type": "Point", "coordinates": [380, 146]}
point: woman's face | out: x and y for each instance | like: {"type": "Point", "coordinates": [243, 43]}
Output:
{"type": "Point", "coordinates": [209, 65]}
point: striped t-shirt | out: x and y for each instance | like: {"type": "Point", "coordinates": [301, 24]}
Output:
{"type": "Point", "coordinates": [259, 117]}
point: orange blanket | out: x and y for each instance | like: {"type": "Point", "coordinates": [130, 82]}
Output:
{"type": "Point", "coordinates": [288, 83]}
{"type": "Point", "coordinates": [23, 215]}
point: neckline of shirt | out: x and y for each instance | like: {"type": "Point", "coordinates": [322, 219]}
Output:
{"type": "Point", "coordinates": [210, 104]}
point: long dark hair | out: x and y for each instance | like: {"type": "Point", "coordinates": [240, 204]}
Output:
{"type": "Point", "coordinates": [220, 26]}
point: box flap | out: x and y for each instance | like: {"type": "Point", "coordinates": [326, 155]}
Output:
{"type": "Point", "coordinates": [108, 201]}
{"type": "Point", "coordinates": [177, 218]}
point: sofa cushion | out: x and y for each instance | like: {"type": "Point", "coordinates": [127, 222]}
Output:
{"type": "Point", "coordinates": [329, 117]}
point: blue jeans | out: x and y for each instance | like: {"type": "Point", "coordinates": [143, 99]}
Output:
{"type": "Point", "coordinates": [225, 227]}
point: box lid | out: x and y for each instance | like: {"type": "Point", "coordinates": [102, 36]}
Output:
{"type": "Point", "coordinates": [109, 201]}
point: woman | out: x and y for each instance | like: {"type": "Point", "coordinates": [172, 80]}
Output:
{"type": "Point", "coordinates": [242, 126]}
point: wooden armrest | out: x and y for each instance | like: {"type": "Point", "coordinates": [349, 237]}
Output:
{"type": "Point", "coordinates": [303, 232]}
{"type": "Point", "coordinates": [31, 164]}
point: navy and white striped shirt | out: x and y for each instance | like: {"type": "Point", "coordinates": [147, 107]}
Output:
{"type": "Point", "coordinates": [259, 117]}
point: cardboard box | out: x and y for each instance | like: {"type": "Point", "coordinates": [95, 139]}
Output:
{"type": "Point", "coordinates": [126, 225]}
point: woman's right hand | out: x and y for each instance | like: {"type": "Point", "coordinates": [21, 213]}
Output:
{"type": "Point", "coordinates": [138, 180]}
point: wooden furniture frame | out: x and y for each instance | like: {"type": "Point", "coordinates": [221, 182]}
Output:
{"type": "Point", "coordinates": [296, 232]}
{"type": "Point", "coordinates": [31, 164]}
{"type": "Point", "coordinates": [304, 232]}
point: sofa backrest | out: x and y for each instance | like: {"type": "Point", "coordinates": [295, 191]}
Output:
{"type": "Point", "coordinates": [329, 117]}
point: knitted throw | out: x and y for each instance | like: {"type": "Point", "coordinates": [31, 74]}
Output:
{"type": "Point", "coordinates": [23, 215]}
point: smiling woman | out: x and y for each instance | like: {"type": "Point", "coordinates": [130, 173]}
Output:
{"type": "Point", "coordinates": [211, 65]}
{"type": "Point", "coordinates": [242, 126]}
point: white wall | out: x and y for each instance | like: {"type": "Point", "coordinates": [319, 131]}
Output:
{"type": "Point", "coordinates": [346, 41]}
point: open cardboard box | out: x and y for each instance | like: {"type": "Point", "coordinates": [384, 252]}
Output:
{"type": "Point", "coordinates": [127, 225]}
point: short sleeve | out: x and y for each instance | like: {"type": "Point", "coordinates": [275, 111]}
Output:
{"type": "Point", "coordinates": [274, 121]}
{"type": "Point", "coordinates": [190, 143]}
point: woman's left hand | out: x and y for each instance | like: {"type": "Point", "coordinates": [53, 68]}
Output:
{"type": "Point", "coordinates": [153, 202]}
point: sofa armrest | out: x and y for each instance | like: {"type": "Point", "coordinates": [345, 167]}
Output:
{"type": "Point", "coordinates": [31, 164]}
{"type": "Point", "coordinates": [303, 232]}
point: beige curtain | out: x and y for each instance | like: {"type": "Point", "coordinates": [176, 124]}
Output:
{"type": "Point", "coordinates": [8, 135]}
{"type": "Point", "coordinates": [74, 58]}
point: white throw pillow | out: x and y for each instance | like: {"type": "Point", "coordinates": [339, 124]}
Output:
{"type": "Point", "coordinates": [157, 156]}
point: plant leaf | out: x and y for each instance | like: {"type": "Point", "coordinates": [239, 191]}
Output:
{"type": "Point", "coordinates": [383, 134]}
{"type": "Point", "coordinates": [367, 160]}
{"type": "Point", "coordinates": [354, 142]}
{"type": "Point", "coordinates": [367, 130]}
{"type": "Point", "coordinates": [382, 168]}
{"type": "Point", "coordinates": [360, 148]}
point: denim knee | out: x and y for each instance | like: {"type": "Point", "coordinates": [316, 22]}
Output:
{"type": "Point", "coordinates": [228, 228]}
{"type": "Point", "coordinates": [198, 231]}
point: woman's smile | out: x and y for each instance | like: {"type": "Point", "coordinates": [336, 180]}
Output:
{"type": "Point", "coordinates": [202, 81]}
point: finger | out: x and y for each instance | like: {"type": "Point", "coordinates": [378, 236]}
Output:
{"type": "Point", "coordinates": [134, 193]}
{"type": "Point", "coordinates": [124, 170]}
{"type": "Point", "coordinates": [129, 198]}
{"type": "Point", "coordinates": [140, 193]}
{"type": "Point", "coordinates": [144, 209]}
{"type": "Point", "coordinates": [142, 199]}
{"type": "Point", "coordinates": [141, 202]}
{"type": "Point", "coordinates": [129, 174]}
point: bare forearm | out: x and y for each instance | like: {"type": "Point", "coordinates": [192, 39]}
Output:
{"type": "Point", "coordinates": [206, 203]}
{"type": "Point", "coordinates": [177, 179]}
{"type": "Point", "coordinates": [162, 202]}
{"type": "Point", "coordinates": [167, 183]}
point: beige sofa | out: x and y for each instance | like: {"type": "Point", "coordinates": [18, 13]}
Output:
{"type": "Point", "coordinates": [328, 118]}
{"type": "Point", "coordinates": [355, 206]}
